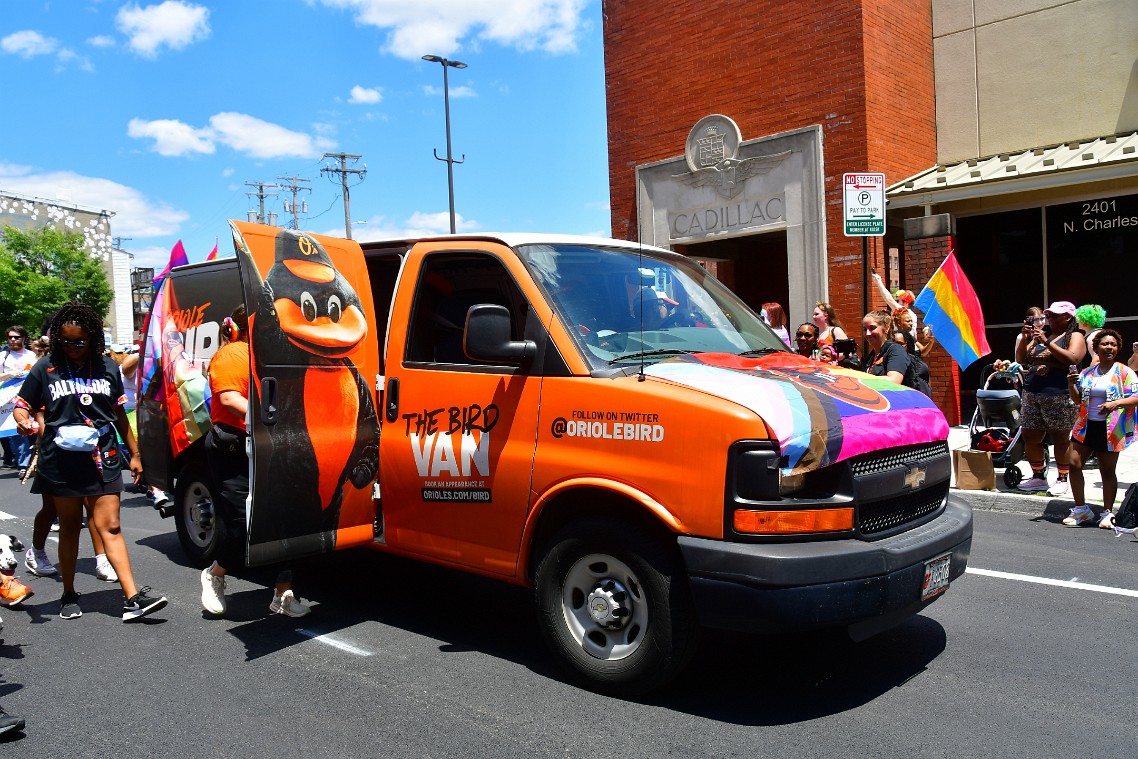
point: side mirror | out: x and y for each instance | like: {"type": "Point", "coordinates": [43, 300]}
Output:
{"type": "Point", "coordinates": [486, 337]}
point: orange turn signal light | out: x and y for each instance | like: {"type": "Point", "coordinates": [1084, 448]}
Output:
{"type": "Point", "coordinates": [793, 522]}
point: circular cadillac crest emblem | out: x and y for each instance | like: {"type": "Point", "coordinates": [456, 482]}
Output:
{"type": "Point", "coordinates": [713, 139]}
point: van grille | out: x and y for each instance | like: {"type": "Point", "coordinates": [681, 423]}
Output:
{"type": "Point", "coordinates": [880, 516]}
{"type": "Point", "coordinates": [898, 457]}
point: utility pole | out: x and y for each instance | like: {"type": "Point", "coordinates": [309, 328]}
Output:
{"type": "Point", "coordinates": [116, 243]}
{"type": "Point", "coordinates": [291, 207]}
{"type": "Point", "coordinates": [450, 159]}
{"type": "Point", "coordinates": [344, 171]}
{"type": "Point", "coordinates": [259, 215]}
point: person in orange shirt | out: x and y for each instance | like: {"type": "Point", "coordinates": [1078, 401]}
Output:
{"type": "Point", "coordinates": [229, 469]}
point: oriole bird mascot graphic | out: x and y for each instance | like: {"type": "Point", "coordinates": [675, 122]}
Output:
{"type": "Point", "coordinates": [308, 323]}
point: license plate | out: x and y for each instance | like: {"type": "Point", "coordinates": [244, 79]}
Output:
{"type": "Point", "coordinates": [937, 572]}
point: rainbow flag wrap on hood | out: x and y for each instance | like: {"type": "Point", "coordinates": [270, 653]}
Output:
{"type": "Point", "coordinates": [953, 311]}
{"type": "Point", "coordinates": [821, 414]}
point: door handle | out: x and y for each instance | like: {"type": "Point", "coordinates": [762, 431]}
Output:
{"type": "Point", "coordinates": [269, 401]}
{"type": "Point", "coordinates": [391, 400]}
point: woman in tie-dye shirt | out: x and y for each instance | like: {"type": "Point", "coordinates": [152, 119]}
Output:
{"type": "Point", "coordinates": [1107, 394]}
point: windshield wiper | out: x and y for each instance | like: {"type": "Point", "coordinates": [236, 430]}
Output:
{"type": "Point", "coordinates": [643, 354]}
{"type": "Point", "coordinates": [761, 351]}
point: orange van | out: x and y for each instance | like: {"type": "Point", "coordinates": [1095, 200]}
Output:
{"type": "Point", "coordinates": [600, 420]}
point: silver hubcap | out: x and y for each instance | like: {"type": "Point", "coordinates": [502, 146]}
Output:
{"type": "Point", "coordinates": [198, 514]}
{"type": "Point", "coordinates": [604, 607]}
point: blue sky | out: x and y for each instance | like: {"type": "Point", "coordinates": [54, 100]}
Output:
{"type": "Point", "coordinates": [162, 111]}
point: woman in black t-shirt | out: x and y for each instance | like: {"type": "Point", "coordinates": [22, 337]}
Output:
{"type": "Point", "coordinates": [81, 393]}
{"type": "Point", "coordinates": [885, 358]}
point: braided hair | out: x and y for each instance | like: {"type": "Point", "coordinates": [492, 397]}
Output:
{"type": "Point", "coordinates": [80, 315]}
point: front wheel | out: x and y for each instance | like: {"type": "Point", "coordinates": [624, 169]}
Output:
{"type": "Point", "coordinates": [615, 607]}
{"type": "Point", "coordinates": [194, 515]}
{"type": "Point", "coordinates": [1013, 475]}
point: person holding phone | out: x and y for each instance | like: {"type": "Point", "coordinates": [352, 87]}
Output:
{"type": "Point", "coordinates": [1046, 352]}
{"type": "Point", "coordinates": [1107, 393]}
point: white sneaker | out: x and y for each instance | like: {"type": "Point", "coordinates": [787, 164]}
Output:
{"type": "Point", "coordinates": [213, 592]}
{"type": "Point", "coordinates": [104, 570]}
{"type": "Point", "coordinates": [1079, 515]}
{"type": "Point", "coordinates": [1060, 488]}
{"type": "Point", "coordinates": [289, 605]}
{"type": "Point", "coordinates": [36, 562]}
{"type": "Point", "coordinates": [1034, 485]}
{"type": "Point", "coordinates": [1106, 519]}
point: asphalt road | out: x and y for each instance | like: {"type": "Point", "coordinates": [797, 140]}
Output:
{"type": "Point", "coordinates": [406, 660]}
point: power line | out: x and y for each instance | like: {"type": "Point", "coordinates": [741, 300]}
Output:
{"type": "Point", "coordinates": [259, 215]}
{"type": "Point", "coordinates": [291, 207]}
{"type": "Point", "coordinates": [344, 171]}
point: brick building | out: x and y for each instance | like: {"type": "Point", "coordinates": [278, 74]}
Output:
{"type": "Point", "coordinates": [789, 96]}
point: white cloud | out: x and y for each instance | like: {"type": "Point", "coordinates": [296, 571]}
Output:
{"type": "Point", "coordinates": [173, 24]}
{"type": "Point", "coordinates": [246, 134]}
{"type": "Point", "coordinates": [172, 138]}
{"type": "Point", "coordinates": [441, 27]}
{"type": "Point", "coordinates": [135, 216]}
{"type": "Point", "coordinates": [365, 95]}
{"type": "Point", "coordinates": [28, 44]}
{"type": "Point", "coordinates": [227, 172]}
{"type": "Point", "coordinates": [151, 256]}
{"type": "Point", "coordinates": [418, 224]}
{"type": "Point", "coordinates": [102, 40]}
{"type": "Point", "coordinates": [455, 92]}
{"type": "Point", "coordinates": [261, 139]}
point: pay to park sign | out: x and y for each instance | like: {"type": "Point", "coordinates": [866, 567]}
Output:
{"type": "Point", "coordinates": [863, 204]}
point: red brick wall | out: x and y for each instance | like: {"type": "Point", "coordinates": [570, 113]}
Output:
{"type": "Point", "coordinates": [922, 257]}
{"type": "Point", "coordinates": [860, 68]}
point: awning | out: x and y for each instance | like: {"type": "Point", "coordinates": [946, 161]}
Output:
{"type": "Point", "coordinates": [1069, 163]}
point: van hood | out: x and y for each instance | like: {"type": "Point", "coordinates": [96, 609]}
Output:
{"type": "Point", "coordinates": [821, 414]}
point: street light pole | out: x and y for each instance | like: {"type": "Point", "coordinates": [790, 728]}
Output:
{"type": "Point", "coordinates": [446, 107]}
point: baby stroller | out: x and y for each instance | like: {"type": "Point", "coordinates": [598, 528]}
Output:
{"type": "Point", "coordinates": [995, 425]}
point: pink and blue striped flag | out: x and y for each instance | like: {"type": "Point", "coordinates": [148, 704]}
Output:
{"type": "Point", "coordinates": [953, 311]}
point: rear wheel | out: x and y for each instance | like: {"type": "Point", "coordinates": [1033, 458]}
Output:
{"type": "Point", "coordinates": [194, 515]}
{"type": "Point", "coordinates": [615, 607]}
{"type": "Point", "coordinates": [1013, 476]}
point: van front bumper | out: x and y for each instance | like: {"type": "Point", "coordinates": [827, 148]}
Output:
{"type": "Point", "coordinates": [782, 587]}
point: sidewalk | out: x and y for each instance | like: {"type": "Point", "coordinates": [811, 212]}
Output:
{"type": "Point", "coordinates": [1004, 498]}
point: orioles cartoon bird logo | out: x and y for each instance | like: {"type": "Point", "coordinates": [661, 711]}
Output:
{"type": "Point", "coordinates": [308, 323]}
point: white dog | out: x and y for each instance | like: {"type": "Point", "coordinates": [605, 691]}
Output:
{"type": "Point", "coordinates": [10, 547]}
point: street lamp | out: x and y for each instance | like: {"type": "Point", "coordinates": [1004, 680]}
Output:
{"type": "Point", "coordinates": [446, 106]}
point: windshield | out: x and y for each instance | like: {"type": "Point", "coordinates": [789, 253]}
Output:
{"type": "Point", "coordinates": [624, 307]}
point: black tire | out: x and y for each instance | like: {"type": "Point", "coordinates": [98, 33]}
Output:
{"type": "Point", "coordinates": [641, 629]}
{"type": "Point", "coordinates": [193, 515]}
{"type": "Point", "coordinates": [1013, 476]}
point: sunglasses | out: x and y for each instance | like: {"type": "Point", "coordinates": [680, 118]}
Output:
{"type": "Point", "coordinates": [14, 337]}
{"type": "Point", "coordinates": [74, 343]}
{"type": "Point", "coordinates": [804, 334]}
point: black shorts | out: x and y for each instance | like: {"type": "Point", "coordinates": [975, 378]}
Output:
{"type": "Point", "coordinates": [95, 487]}
{"type": "Point", "coordinates": [1095, 437]}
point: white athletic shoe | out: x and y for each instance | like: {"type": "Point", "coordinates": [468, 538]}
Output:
{"type": "Point", "coordinates": [1060, 488]}
{"type": "Point", "coordinates": [1079, 515]}
{"type": "Point", "coordinates": [289, 605]}
{"type": "Point", "coordinates": [1033, 485]}
{"type": "Point", "coordinates": [213, 592]}
{"type": "Point", "coordinates": [104, 570]}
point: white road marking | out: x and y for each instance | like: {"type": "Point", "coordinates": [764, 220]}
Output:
{"type": "Point", "coordinates": [333, 642]}
{"type": "Point", "coordinates": [1057, 583]}
{"type": "Point", "coordinates": [6, 515]}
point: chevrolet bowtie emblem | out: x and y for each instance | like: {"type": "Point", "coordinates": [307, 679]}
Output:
{"type": "Point", "coordinates": [915, 476]}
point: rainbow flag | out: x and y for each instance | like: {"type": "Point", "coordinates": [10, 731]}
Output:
{"type": "Point", "coordinates": [177, 258]}
{"type": "Point", "coordinates": [212, 254]}
{"type": "Point", "coordinates": [953, 311]}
